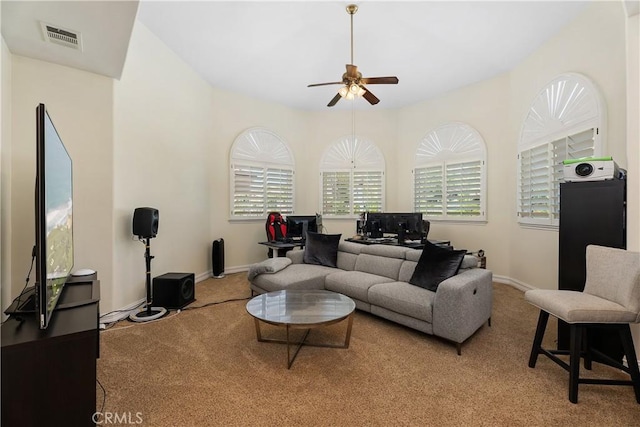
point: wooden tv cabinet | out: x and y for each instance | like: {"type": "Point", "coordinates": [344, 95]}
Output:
{"type": "Point", "coordinates": [49, 376]}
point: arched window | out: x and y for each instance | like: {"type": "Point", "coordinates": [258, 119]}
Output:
{"type": "Point", "coordinates": [565, 121]}
{"type": "Point", "coordinates": [450, 174]}
{"type": "Point", "coordinates": [262, 170]}
{"type": "Point", "coordinates": [351, 178]}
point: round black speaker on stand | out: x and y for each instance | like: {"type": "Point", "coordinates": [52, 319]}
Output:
{"type": "Point", "coordinates": [145, 226]}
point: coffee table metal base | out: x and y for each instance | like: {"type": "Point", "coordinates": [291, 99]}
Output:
{"type": "Point", "coordinates": [299, 344]}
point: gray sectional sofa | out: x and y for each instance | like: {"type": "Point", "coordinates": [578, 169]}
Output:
{"type": "Point", "coordinates": [377, 278]}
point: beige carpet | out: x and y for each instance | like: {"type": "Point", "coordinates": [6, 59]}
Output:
{"type": "Point", "coordinates": [204, 367]}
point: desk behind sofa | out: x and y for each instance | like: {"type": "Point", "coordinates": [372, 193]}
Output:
{"type": "Point", "coordinates": [281, 248]}
{"type": "Point", "coordinates": [394, 242]}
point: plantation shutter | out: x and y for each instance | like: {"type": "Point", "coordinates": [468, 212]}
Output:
{"type": "Point", "coordinates": [279, 190]}
{"type": "Point", "coordinates": [336, 190]}
{"type": "Point", "coordinates": [248, 190]}
{"type": "Point", "coordinates": [464, 187]}
{"type": "Point", "coordinates": [367, 191]}
{"type": "Point", "coordinates": [428, 190]}
{"type": "Point", "coordinates": [535, 182]}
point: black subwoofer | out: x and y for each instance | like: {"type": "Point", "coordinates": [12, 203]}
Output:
{"type": "Point", "coordinates": [145, 222]}
{"type": "Point", "coordinates": [174, 290]}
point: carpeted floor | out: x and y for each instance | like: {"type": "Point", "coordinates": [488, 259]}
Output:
{"type": "Point", "coordinates": [204, 367]}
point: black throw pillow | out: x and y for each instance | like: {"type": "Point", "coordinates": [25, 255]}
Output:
{"type": "Point", "coordinates": [321, 249]}
{"type": "Point", "coordinates": [435, 265]}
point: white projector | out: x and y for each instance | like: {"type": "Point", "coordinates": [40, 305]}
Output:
{"type": "Point", "coordinates": [596, 169]}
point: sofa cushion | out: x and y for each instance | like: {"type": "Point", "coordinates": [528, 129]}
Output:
{"type": "Point", "coordinates": [435, 265]}
{"type": "Point", "coordinates": [322, 249]}
{"type": "Point", "coordinates": [354, 284]}
{"type": "Point", "coordinates": [295, 276]}
{"type": "Point", "coordinates": [403, 298]}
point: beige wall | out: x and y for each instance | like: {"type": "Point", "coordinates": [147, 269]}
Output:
{"type": "Point", "coordinates": [80, 105]}
{"type": "Point", "coordinates": [5, 177]}
{"type": "Point", "coordinates": [162, 136]}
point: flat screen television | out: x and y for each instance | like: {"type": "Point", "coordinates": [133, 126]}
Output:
{"type": "Point", "coordinates": [53, 216]}
{"type": "Point", "coordinates": [298, 225]}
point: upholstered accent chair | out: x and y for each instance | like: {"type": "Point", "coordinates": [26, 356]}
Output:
{"type": "Point", "coordinates": [611, 299]}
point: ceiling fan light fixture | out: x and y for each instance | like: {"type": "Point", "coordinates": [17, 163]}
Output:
{"type": "Point", "coordinates": [352, 79]}
{"type": "Point", "coordinates": [351, 92]}
{"type": "Point", "coordinates": [346, 93]}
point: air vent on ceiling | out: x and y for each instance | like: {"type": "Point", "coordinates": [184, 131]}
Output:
{"type": "Point", "coordinates": [61, 36]}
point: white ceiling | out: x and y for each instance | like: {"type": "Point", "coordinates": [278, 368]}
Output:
{"type": "Point", "coordinates": [273, 50]}
{"type": "Point", "coordinates": [105, 29]}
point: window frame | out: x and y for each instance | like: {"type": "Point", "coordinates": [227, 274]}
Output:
{"type": "Point", "coordinates": [260, 149]}
{"type": "Point", "coordinates": [555, 115]}
{"type": "Point", "coordinates": [451, 143]}
{"type": "Point", "coordinates": [352, 155]}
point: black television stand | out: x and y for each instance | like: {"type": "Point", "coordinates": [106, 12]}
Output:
{"type": "Point", "coordinates": [49, 375]}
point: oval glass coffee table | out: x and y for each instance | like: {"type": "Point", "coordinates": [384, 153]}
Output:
{"type": "Point", "coordinates": [301, 309]}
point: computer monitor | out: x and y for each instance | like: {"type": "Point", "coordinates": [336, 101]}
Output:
{"type": "Point", "coordinates": [408, 226]}
{"type": "Point", "coordinates": [298, 225]}
{"type": "Point", "coordinates": [404, 225]}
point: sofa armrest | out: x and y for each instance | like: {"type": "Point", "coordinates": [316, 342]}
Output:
{"type": "Point", "coordinates": [296, 256]}
{"type": "Point", "coordinates": [462, 304]}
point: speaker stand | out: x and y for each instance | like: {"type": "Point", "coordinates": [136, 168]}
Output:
{"type": "Point", "coordinates": [149, 313]}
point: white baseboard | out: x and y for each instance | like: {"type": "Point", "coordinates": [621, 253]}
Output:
{"type": "Point", "coordinates": [624, 362]}
{"type": "Point", "coordinates": [513, 282]}
{"type": "Point", "coordinates": [123, 312]}
{"type": "Point", "coordinates": [209, 274]}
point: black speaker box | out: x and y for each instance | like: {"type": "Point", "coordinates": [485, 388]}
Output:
{"type": "Point", "coordinates": [174, 290]}
{"type": "Point", "coordinates": [145, 222]}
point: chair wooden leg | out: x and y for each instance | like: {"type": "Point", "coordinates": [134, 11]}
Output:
{"type": "Point", "coordinates": [537, 341]}
{"type": "Point", "coordinates": [588, 356]}
{"type": "Point", "coordinates": [575, 346]}
{"type": "Point", "coordinates": [632, 360]}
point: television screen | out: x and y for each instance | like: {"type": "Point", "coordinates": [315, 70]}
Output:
{"type": "Point", "coordinates": [54, 216]}
{"type": "Point", "coordinates": [298, 225]}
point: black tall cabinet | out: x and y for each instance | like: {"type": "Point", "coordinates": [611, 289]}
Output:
{"type": "Point", "coordinates": [591, 212]}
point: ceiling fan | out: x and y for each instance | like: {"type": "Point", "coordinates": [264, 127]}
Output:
{"type": "Point", "coordinates": [354, 83]}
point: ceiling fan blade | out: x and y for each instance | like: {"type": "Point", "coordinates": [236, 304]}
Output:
{"type": "Point", "coordinates": [334, 101]}
{"type": "Point", "coordinates": [352, 71]}
{"type": "Point", "coordinates": [325, 84]}
{"type": "Point", "coordinates": [373, 100]}
{"type": "Point", "coordinates": [379, 80]}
